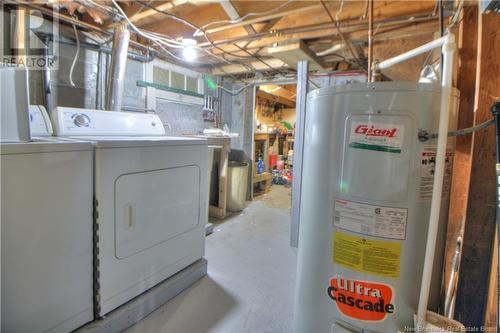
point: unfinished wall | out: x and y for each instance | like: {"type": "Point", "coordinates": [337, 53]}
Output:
{"type": "Point", "coordinates": [89, 78]}
{"type": "Point", "coordinates": [237, 112]}
{"type": "Point", "coordinates": [89, 90]}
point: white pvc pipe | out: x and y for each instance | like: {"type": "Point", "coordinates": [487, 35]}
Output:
{"type": "Point", "coordinates": [448, 50]}
{"type": "Point", "coordinates": [333, 49]}
{"type": "Point", "coordinates": [412, 53]}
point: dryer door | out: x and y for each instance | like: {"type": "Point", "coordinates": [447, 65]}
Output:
{"type": "Point", "coordinates": [155, 206]}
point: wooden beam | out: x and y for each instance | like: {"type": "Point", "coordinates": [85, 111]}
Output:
{"type": "Point", "coordinates": [467, 53]}
{"type": "Point", "coordinates": [481, 205]}
{"type": "Point", "coordinates": [256, 66]}
{"type": "Point", "coordinates": [315, 31]}
{"type": "Point", "coordinates": [263, 18]}
{"type": "Point", "coordinates": [233, 14]}
{"type": "Point", "coordinates": [293, 52]}
{"type": "Point", "coordinates": [275, 99]}
{"type": "Point", "coordinates": [150, 12]}
{"type": "Point", "coordinates": [352, 11]}
{"type": "Point", "coordinates": [406, 33]}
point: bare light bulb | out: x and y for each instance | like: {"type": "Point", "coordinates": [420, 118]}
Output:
{"type": "Point", "coordinates": [189, 51]}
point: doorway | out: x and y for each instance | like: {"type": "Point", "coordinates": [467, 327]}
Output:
{"type": "Point", "coordinates": [274, 140]}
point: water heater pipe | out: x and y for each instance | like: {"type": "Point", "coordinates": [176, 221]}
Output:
{"type": "Point", "coordinates": [413, 53]}
{"type": "Point", "coordinates": [448, 46]}
{"type": "Point", "coordinates": [448, 50]}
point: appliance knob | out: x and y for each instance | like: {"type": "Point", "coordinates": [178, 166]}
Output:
{"type": "Point", "coordinates": [82, 120]}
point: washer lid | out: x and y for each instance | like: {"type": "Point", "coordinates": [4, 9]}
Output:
{"type": "Point", "coordinates": [140, 141]}
{"type": "Point", "coordinates": [41, 146]}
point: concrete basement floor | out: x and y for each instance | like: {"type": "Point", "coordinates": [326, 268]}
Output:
{"type": "Point", "coordinates": [251, 276]}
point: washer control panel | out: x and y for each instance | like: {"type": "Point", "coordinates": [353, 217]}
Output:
{"type": "Point", "coordinates": [77, 122]}
{"type": "Point", "coordinates": [81, 120]}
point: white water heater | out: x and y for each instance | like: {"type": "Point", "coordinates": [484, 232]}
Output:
{"type": "Point", "coordinates": [365, 206]}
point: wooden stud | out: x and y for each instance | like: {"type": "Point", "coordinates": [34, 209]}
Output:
{"type": "Point", "coordinates": [467, 53]}
{"type": "Point", "coordinates": [481, 205]}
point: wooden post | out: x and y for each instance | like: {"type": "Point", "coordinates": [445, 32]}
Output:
{"type": "Point", "coordinates": [467, 53]}
{"type": "Point", "coordinates": [473, 289]}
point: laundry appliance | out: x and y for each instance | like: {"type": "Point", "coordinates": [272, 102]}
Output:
{"type": "Point", "coordinates": [46, 223]}
{"type": "Point", "coordinates": [40, 124]}
{"type": "Point", "coordinates": [150, 207]}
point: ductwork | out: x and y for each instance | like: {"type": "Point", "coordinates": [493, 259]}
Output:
{"type": "Point", "coordinates": [119, 55]}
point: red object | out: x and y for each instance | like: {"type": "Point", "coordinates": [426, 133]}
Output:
{"type": "Point", "coordinates": [273, 161]}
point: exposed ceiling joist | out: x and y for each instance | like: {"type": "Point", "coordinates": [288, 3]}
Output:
{"type": "Point", "coordinates": [150, 12]}
{"type": "Point", "coordinates": [275, 98]}
{"type": "Point", "coordinates": [313, 31]}
{"type": "Point", "coordinates": [233, 14]}
{"type": "Point", "coordinates": [358, 37]}
{"type": "Point", "coordinates": [262, 19]}
{"type": "Point", "coordinates": [293, 52]}
{"type": "Point", "coordinates": [257, 66]}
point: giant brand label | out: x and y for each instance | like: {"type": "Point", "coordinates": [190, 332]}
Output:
{"type": "Point", "coordinates": [372, 256]}
{"type": "Point", "coordinates": [362, 300]}
{"type": "Point", "coordinates": [376, 136]}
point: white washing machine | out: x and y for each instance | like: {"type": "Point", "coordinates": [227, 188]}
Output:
{"type": "Point", "coordinates": [150, 202]}
{"type": "Point", "coordinates": [40, 124]}
{"type": "Point", "coordinates": [46, 238]}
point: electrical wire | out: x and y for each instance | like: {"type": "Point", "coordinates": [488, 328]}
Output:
{"type": "Point", "coordinates": [424, 135]}
{"type": "Point", "coordinates": [337, 14]}
{"type": "Point", "coordinates": [242, 18]}
{"type": "Point", "coordinates": [469, 130]}
{"type": "Point", "coordinates": [259, 59]}
{"type": "Point", "coordinates": [361, 18]}
{"type": "Point", "coordinates": [237, 91]}
{"type": "Point", "coordinates": [72, 68]}
{"type": "Point", "coordinates": [337, 26]}
{"type": "Point", "coordinates": [455, 20]}
{"type": "Point", "coordinates": [160, 40]}
{"type": "Point", "coordinates": [168, 42]}
{"type": "Point", "coordinates": [196, 28]}
{"type": "Point", "coordinates": [456, 16]}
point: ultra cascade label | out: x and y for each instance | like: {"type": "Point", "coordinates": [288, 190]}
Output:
{"type": "Point", "coordinates": [362, 300]}
{"type": "Point", "coordinates": [376, 136]}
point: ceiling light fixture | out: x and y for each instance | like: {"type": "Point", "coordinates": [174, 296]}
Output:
{"type": "Point", "coordinates": [189, 51]}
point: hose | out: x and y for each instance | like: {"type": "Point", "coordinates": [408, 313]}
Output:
{"type": "Point", "coordinates": [75, 58]}
{"type": "Point", "coordinates": [424, 136]}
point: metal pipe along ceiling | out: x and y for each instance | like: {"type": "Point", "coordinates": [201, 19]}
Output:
{"type": "Point", "coordinates": [119, 55]}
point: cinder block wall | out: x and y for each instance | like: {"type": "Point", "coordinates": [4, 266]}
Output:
{"type": "Point", "coordinates": [90, 77]}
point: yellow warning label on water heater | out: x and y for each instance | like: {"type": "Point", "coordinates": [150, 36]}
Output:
{"type": "Point", "coordinates": [364, 255]}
